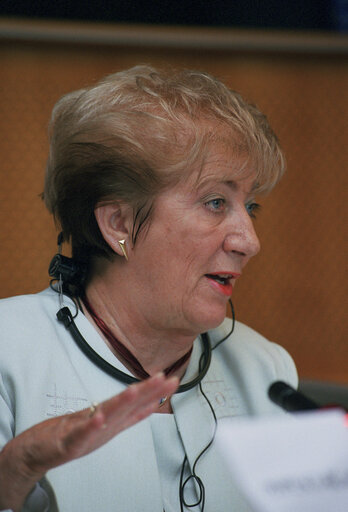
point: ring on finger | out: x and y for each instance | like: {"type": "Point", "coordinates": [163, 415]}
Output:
{"type": "Point", "coordinates": [93, 409]}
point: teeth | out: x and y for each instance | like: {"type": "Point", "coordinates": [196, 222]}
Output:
{"type": "Point", "coordinates": [220, 278]}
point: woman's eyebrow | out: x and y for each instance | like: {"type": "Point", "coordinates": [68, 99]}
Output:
{"type": "Point", "coordinates": [232, 184]}
{"type": "Point", "coordinates": [221, 180]}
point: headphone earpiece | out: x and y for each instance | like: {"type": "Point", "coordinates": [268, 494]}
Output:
{"type": "Point", "coordinates": [66, 269]}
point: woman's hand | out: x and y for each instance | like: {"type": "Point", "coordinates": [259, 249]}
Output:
{"type": "Point", "coordinates": [27, 457]}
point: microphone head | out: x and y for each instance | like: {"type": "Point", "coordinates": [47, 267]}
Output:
{"type": "Point", "coordinates": [278, 390]}
{"type": "Point", "coordinates": [289, 398]}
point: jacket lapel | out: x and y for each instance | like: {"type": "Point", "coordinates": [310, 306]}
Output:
{"type": "Point", "coordinates": [196, 425]}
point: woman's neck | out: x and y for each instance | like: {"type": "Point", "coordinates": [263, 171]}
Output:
{"type": "Point", "coordinates": [154, 348]}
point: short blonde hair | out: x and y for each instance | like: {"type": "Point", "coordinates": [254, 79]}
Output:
{"type": "Point", "coordinates": [135, 133]}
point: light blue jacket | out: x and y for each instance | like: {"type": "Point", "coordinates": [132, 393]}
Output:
{"type": "Point", "coordinates": [43, 373]}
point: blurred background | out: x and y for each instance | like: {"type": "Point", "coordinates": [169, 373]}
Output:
{"type": "Point", "coordinates": [290, 58]}
{"type": "Point", "coordinates": [294, 14]}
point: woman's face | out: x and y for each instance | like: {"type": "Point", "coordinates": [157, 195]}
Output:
{"type": "Point", "coordinates": [200, 237]}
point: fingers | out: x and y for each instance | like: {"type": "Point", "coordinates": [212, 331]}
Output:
{"type": "Point", "coordinates": [114, 415]}
{"type": "Point", "coordinates": [141, 395]}
{"type": "Point", "coordinates": [139, 400]}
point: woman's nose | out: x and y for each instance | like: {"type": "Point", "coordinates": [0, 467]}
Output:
{"type": "Point", "coordinates": [242, 238]}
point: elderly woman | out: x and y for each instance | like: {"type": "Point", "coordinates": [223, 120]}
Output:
{"type": "Point", "coordinates": [152, 177]}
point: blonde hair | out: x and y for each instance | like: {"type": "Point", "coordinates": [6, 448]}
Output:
{"type": "Point", "coordinates": [135, 133]}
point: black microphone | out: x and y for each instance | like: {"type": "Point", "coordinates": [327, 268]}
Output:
{"type": "Point", "coordinates": [289, 398]}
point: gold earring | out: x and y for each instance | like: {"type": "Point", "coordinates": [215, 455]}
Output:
{"type": "Point", "coordinates": [122, 244]}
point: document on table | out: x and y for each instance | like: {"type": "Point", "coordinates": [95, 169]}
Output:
{"type": "Point", "coordinates": [293, 463]}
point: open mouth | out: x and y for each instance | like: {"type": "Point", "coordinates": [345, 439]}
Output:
{"type": "Point", "coordinates": [223, 279]}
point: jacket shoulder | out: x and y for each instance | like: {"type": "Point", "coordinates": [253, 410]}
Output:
{"type": "Point", "coordinates": [26, 319]}
{"type": "Point", "coordinates": [247, 349]}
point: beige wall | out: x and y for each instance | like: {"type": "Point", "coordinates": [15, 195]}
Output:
{"type": "Point", "coordinates": [295, 292]}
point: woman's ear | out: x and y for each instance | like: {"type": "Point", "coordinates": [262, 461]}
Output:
{"type": "Point", "coordinates": [115, 224]}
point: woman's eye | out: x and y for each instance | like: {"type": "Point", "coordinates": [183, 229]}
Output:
{"type": "Point", "coordinates": [252, 208]}
{"type": "Point", "coordinates": [216, 205]}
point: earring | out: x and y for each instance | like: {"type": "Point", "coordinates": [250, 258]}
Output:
{"type": "Point", "coordinates": [122, 244]}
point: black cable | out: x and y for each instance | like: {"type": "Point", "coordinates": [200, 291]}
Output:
{"type": "Point", "coordinates": [232, 328]}
{"type": "Point", "coordinates": [64, 315]}
{"type": "Point", "coordinates": [194, 476]}
{"type": "Point", "coordinates": [76, 300]}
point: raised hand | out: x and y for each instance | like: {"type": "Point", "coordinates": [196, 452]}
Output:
{"type": "Point", "coordinates": [27, 457]}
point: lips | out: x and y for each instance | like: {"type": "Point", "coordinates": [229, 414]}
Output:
{"type": "Point", "coordinates": [221, 281]}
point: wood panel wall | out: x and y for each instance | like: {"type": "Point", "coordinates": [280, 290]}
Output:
{"type": "Point", "coordinates": [295, 291]}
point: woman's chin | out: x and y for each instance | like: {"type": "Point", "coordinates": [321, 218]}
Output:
{"type": "Point", "coordinates": [211, 318]}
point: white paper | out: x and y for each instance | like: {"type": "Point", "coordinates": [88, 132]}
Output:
{"type": "Point", "coordinates": [293, 463]}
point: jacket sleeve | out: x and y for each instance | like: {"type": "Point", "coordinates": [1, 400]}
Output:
{"type": "Point", "coordinates": [37, 500]}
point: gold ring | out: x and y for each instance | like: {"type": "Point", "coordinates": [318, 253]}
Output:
{"type": "Point", "coordinates": [93, 409]}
